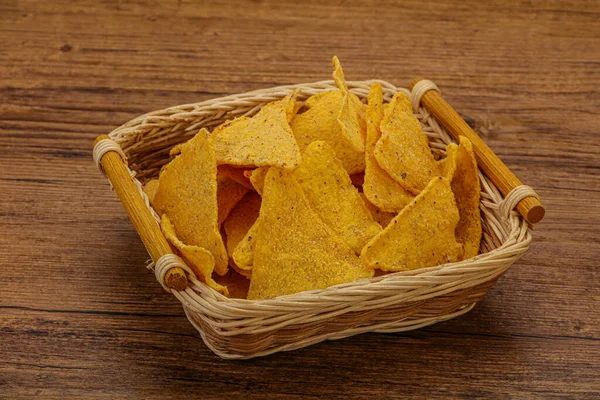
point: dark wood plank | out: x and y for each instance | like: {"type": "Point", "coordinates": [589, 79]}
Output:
{"type": "Point", "coordinates": [80, 316]}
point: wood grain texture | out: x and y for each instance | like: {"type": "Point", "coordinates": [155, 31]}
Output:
{"type": "Point", "coordinates": [80, 316]}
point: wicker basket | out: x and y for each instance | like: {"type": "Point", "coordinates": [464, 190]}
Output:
{"type": "Point", "coordinates": [237, 328]}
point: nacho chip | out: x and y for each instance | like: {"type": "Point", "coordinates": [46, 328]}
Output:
{"type": "Point", "coordinates": [465, 185]}
{"type": "Point", "coordinates": [379, 187]}
{"type": "Point", "coordinates": [295, 250]}
{"type": "Point", "coordinates": [265, 139]}
{"type": "Point", "coordinates": [237, 174]}
{"type": "Point", "coordinates": [150, 189]}
{"type": "Point", "coordinates": [243, 254]}
{"type": "Point", "coordinates": [229, 193]}
{"type": "Point", "coordinates": [197, 258]}
{"type": "Point", "coordinates": [237, 285]}
{"type": "Point", "coordinates": [332, 196]}
{"type": "Point", "coordinates": [257, 178]}
{"type": "Point", "coordinates": [403, 150]}
{"type": "Point", "coordinates": [447, 165]}
{"type": "Point", "coordinates": [336, 117]}
{"type": "Point", "coordinates": [187, 193]}
{"type": "Point", "coordinates": [247, 273]}
{"type": "Point", "coordinates": [381, 217]}
{"type": "Point", "coordinates": [241, 219]}
{"type": "Point", "coordinates": [422, 235]}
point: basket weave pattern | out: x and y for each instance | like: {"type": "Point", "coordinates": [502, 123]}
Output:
{"type": "Point", "coordinates": [237, 328]}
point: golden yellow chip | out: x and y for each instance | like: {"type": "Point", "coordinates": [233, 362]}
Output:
{"type": "Point", "coordinates": [336, 117]}
{"type": "Point", "coordinates": [237, 285]}
{"type": "Point", "coordinates": [332, 196]}
{"type": "Point", "coordinates": [187, 193]}
{"type": "Point", "coordinates": [422, 235]}
{"type": "Point", "coordinates": [241, 219]}
{"type": "Point", "coordinates": [403, 150]}
{"type": "Point", "coordinates": [229, 193]}
{"type": "Point", "coordinates": [295, 250]}
{"type": "Point", "coordinates": [447, 165]}
{"type": "Point", "coordinates": [465, 185]}
{"type": "Point", "coordinates": [381, 217]}
{"type": "Point", "coordinates": [379, 187]}
{"type": "Point", "coordinates": [243, 254]}
{"type": "Point", "coordinates": [237, 174]}
{"type": "Point", "coordinates": [247, 273]}
{"type": "Point", "coordinates": [257, 178]}
{"type": "Point", "coordinates": [150, 189]}
{"type": "Point", "coordinates": [197, 258]}
{"type": "Point", "coordinates": [265, 139]}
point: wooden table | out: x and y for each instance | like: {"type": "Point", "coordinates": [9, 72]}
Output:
{"type": "Point", "coordinates": [80, 316]}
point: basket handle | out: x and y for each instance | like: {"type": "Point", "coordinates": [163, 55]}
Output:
{"type": "Point", "coordinates": [113, 165]}
{"type": "Point", "coordinates": [426, 93]}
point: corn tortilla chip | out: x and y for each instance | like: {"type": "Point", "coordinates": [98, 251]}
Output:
{"type": "Point", "coordinates": [465, 185]}
{"type": "Point", "coordinates": [187, 193]}
{"type": "Point", "coordinates": [422, 235]}
{"type": "Point", "coordinates": [379, 187]}
{"type": "Point", "coordinates": [265, 139]}
{"type": "Point", "coordinates": [295, 250]}
{"type": "Point", "coordinates": [336, 117]}
{"type": "Point", "coordinates": [197, 258]}
{"type": "Point", "coordinates": [332, 196]}
{"type": "Point", "coordinates": [403, 150]}
{"type": "Point", "coordinates": [229, 193]}
{"type": "Point", "coordinates": [383, 218]}
{"type": "Point", "coordinates": [241, 219]}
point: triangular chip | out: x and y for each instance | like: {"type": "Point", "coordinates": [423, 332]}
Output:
{"type": "Point", "coordinates": [379, 187]}
{"type": "Point", "coordinates": [257, 178]}
{"type": "Point", "coordinates": [150, 189]}
{"type": "Point", "coordinates": [332, 196]}
{"type": "Point", "coordinates": [187, 193]}
{"type": "Point", "coordinates": [403, 150]}
{"type": "Point", "coordinates": [229, 193]}
{"type": "Point", "coordinates": [265, 139]}
{"type": "Point", "coordinates": [383, 218]}
{"type": "Point", "coordinates": [241, 219]}
{"type": "Point", "coordinates": [197, 258]}
{"type": "Point", "coordinates": [337, 118]}
{"type": "Point", "coordinates": [422, 235]}
{"type": "Point", "coordinates": [351, 115]}
{"type": "Point", "coordinates": [447, 165]}
{"type": "Point", "coordinates": [295, 250]}
{"type": "Point", "coordinates": [465, 185]}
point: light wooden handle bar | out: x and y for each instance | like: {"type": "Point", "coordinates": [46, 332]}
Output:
{"type": "Point", "coordinates": [140, 215]}
{"type": "Point", "coordinates": [529, 207]}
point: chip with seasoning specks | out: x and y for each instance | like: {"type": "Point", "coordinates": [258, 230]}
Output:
{"type": "Point", "coordinates": [229, 193]}
{"type": "Point", "coordinates": [421, 235]}
{"type": "Point", "coordinates": [379, 187]}
{"type": "Point", "coordinates": [241, 219]}
{"type": "Point", "coordinates": [266, 139]}
{"type": "Point", "coordinates": [332, 196]}
{"type": "Point", "coordinates": [187, 194]}
{"type": "Point", "coordinates": [336, 117]}
{"type": "Point", "coordinates": [295, 250]}
{"type": "Point", "coordinates": [403, 150]}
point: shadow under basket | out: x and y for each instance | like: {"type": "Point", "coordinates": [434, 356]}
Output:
{"type": "Point", "coordinates": [402, 301]}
